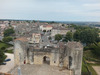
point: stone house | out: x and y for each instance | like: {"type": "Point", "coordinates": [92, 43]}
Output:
{"type": "Point", "coordinates": [36, 37]}
{"type": "Point", "coordinates": [46, 27]}
{"type": "Point", "coordinates": [61, 31]}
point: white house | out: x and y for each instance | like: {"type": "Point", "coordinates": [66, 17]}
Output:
{"type": "Point", "coordinates": [46, 27]}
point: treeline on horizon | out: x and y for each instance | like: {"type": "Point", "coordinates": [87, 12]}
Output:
{"type": "Point", "coordinates": [64, 22]}
{"type": "Point", "coordinates": [88, 36]}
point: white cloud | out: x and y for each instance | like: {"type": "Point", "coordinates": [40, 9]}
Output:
{"type": "Point", "coordinates": [92, 6]}
{"type": "Point", "coordinates": [62, 9]}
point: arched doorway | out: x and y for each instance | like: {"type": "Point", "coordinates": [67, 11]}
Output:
{"type": "Point", "coordinates": [70, 62]}
{"type": "Point", "coordinates": [46, 60]}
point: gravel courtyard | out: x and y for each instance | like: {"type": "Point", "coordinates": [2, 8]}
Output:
{"type": "Point", "coordinates": [97, 69]}
{"type": "Point", "coordinates": [9, 65]}
{"type": "Point", "coordinates": [40, 70]}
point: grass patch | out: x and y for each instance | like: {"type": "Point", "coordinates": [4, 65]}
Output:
{"type": "Point", "coordinates": [91, 69]}
{"type": "Point", "coordinates": [2, 44]}
{"type": "Point", "coordinates": [90, 56]}
{"type": "Point", "coordinates": [84, 69]}
{"type": "Point", "coordinates": [96, 64]}
{"type": "Point", "coordinates": [6, 45]}
{"type": "Point", "coordinates": [9, 51]}
{"type": "Point", "coordinates": [89, 53]}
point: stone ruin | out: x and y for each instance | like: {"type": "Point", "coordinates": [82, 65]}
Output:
{"type": "Point", "coordinates": [67, 55]}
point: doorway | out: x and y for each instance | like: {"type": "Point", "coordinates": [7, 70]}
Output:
{"type": "Point", "coordinates": [46, 60]}
{"type": "Point", "coordinates": [70, 62]}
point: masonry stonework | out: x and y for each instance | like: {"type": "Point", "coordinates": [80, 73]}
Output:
{"type": "Point", "coordinates": [70, 56]}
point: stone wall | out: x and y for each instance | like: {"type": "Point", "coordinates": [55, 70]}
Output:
{"type": "Point", "coordinates": [19, 52]}
{"type": "Point", "coordinates": [69, 56]}
{"type": "Point", "coordinates": [38, 58]}
{"type": "Point", "coordinates": [75, 54]}
{"type": "Point", "coordinates": [54, 59]}
{"type": "Point", "coordinates": [22, 54]}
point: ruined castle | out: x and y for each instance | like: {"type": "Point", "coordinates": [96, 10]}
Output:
{"type": "Point", "coordinates": [67, 55]}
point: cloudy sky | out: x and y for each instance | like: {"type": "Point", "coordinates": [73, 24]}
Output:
{"type": "Point", "coordinates": [51, 10]}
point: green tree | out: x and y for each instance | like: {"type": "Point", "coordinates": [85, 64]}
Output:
{"type": "Point", "coordinates": [3, 48]}
{"type": "Point", "coordinates": [44, 31]}
{"type": "Point", "coordinates": [8, 32]}
{"type": "Point", "coordinates": [34, 21]}
{"type": "Point", "coordinates": [2, 56]}
{"type": "Point", "coordinates": [58, 37]}
{"type": "Point", "coordinates": [95, 48]}
{"type": "Point", "coordinates": [62, 24]}
{"type": "Point", "coordinates": [7, 39]}
{"type": "Point", "coordinates": [88, 36]}
{"type": "Point", "coordinates": [49, 38]}
{"type": "Point", "coordinates": [76, 36]}
{"type": "Point", "coordinates": [68, 36]}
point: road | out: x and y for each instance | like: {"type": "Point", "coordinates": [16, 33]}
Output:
{"type": "Point", "coordinates": [9, 65]}
{"type": "Point", "coordinates": [45, 40]}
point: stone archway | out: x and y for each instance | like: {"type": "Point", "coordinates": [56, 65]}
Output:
{"type": "Point", "coordinates": [70, 62]}
{"type": "Point", "coordinates": [46, 60]}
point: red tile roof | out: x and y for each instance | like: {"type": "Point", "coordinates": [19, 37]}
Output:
{"type": "Point", "coordinates": [22, 39]}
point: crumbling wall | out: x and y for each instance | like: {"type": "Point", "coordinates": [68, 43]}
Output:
{"type": "Point", "coordinates": [38, 57]}
{"type": "Point", "coordinates": [19, 52]}
{"type": "Point", "coordinates": [54, 58]}
{"type": "Point", "coordinates": [75, 54]}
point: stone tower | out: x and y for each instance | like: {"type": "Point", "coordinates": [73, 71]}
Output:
{"type": "Point", "coordinates": [75, 54]}
{"type": "Point", "coordinates": [20, 51]}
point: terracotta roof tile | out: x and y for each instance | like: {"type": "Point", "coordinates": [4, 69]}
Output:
{"type": "Point", "coordinates": [22, 39]}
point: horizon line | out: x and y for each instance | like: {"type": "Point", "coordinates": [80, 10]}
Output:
{"type": "Point", "coordinates": [45, 20]}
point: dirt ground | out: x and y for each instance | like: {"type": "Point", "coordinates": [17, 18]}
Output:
{"type": "Point", "coordinates": [40, 70]}
{"type": "Point", "coordinates": [97, 69]}
{"type": "Point", "coordinates": [9, 65]}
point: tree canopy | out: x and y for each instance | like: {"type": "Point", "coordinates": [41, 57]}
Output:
{"type": "Point", "coordinates": [7, 39]}
{"type": "Point", "coordinates": [76, 36]}
{"type": "Point", "coordinates": [8, 32]}
{"type": "Point", "coordinates": [58, 37]}
{"type": "Point", "coordinates": [88, 36]}
{"type": "Point", "coordinates": [68, 36]}
{"type": "Point", "coordinates": [95, 48]}
{"type": "Point", "coordinates": [2, 56]}
{"type": "Point", "coordinates": [44, 31]}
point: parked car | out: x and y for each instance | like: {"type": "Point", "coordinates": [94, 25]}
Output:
{"type": "Point", "coordinates": [7, 60]}
{"type": "Point", "coordinates": [3, 64]}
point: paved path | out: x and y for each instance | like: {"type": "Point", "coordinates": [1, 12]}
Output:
{"type": "Point", "coordinates": [45, 40]}
{"type": "Point", "coordinates": [97, 69]}
{"type": "Point", "coordinates": [41, 70]}
{"type": "Point", "coordinates": [9, 65]}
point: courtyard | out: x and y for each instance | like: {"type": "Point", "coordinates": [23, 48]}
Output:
{"type": "Point", "coordinates": [97, 69]}
{"type": "Point", "coordinates": [44, 69]}
{"type": "Point", "coordinates": [9, 65]}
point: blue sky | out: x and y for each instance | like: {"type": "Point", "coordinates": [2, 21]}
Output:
{"type": "Point", "coordinates": [51, 10]}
